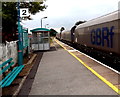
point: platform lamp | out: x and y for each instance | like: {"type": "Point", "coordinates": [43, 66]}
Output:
{"type": "Point", "coordinates": [46, 25]}
{"type": "Point", "coordinates": [41, 20]}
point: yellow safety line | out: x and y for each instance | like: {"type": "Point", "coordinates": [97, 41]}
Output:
{"type": "Point", "coordinates": [61, 45]}
{"type": "Point", "coordinates": [93, 71]}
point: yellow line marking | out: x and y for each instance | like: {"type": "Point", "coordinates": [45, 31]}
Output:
{"type": "Point", "coordinates": [99, 76]}
{"type": "Point", "coordinates": [93, 71]}
{"type": "Point", "coordinates": [60, 44]}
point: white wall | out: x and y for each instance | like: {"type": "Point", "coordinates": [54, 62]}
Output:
{"type": "Point", "coordinates": [8, 51]}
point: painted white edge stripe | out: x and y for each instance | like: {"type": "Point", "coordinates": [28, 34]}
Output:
{"type": "Point", "coordinates": [72, 50]}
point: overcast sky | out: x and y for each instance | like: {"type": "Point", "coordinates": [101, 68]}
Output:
{"type": "Point", "coordinates": [67, 12]}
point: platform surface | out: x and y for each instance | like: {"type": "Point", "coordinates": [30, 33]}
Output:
{"type": "Point", "coordinates": [59, 73]}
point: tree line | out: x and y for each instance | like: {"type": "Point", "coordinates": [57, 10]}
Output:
{"type": "Point", "coordinates": [10, 17]}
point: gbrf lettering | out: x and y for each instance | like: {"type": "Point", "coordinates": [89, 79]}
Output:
{"type": "Point", "coordinates": [102, 36]}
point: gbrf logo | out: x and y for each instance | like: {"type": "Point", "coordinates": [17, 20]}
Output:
{"type": "Point", "coordinates": [100, 36]}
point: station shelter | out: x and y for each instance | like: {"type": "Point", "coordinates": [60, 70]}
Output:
{"type": "Point", "coordinates": [40, 39]}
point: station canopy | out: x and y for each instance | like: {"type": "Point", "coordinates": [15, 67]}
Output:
{"type": "Point", "coordinates": [40, 30]}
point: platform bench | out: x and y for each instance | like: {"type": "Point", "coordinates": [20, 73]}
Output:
{"type": "Point", "coordinates": [11, 74]}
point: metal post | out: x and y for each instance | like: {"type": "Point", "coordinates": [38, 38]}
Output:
{"type": "Point", "coordinates": [20, 40]}
{"type": "Point", "coordinates": [46, 25]}
{"type": "Point", "coordinates": [41, 23]}
{"type": "Point", "coordinates": [41, 20]}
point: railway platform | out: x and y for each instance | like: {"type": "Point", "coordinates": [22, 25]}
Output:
{"type": "Point", "coordinates": [61, 72]}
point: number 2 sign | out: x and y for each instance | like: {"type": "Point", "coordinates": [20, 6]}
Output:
{"type": "Point", "coordinates": [24, 12]}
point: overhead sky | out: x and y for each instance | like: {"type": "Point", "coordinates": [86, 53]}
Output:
{"type": "Point", "coordinates": [67, 12]}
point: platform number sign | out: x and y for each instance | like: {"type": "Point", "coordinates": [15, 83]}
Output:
{"type": "Point", "coordinates": [24, 12]}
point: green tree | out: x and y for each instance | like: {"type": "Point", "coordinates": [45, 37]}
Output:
{"type": "Point", "coordinates": [9, 17]}
{"type": "Point", "coordinates": [53, 32]}
{"type": "Point", "coordinates": [62, 28]}
{"type": "Point", "coordinates": [79, 22]}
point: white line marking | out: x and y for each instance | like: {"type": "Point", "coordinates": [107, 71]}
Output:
{"type": "Point", "coordinates": [74, 50]}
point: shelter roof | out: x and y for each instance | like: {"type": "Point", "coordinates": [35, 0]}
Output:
{"type": "Point", "coordinates": [39, 30]}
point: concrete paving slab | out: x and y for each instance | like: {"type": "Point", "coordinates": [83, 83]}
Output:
{"type": "Point", "coordinates": [103, 70]}
{"type": "Point", "coordinates": [61, 74]}
{"type": "Point", "coordinates": [112, 77]}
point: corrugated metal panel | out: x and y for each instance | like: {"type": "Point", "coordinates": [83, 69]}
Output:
{"type": "Point", "coordinates": [103, 19]}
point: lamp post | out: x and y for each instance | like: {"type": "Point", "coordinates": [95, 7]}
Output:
{"type": "Point", "coordinates": [46, 25]}
{"type": "Point", "coordinates": [41, 20]}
